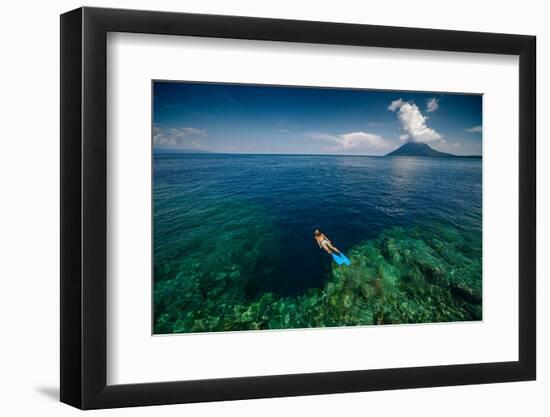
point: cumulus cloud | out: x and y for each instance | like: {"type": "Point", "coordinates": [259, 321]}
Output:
{"type": "Point", "coordinates": [178, 137]}
{"type": "Point", "coordinates": [413, 123]}
{"type": "Point", "coordinates": [432, 105]}
{"type": "Point", "coordinates": [475, 129]}
{"type": "Point", "coordinates": [354, 142]}
{"type": "Point", "coordinates": [396, 104]}
{"type": "Point", "coordinates": [359, 139]}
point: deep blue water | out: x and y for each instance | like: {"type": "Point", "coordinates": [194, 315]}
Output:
{"type": "Point", "coordinates": [260, 211]}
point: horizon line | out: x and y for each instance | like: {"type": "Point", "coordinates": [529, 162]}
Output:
{"type": "Point", "coordinates": [206, 152]}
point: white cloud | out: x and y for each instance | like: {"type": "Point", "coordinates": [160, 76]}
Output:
{"type": "Point", "coordinates": [361, 139]}
{"type": "Point", "coordinates": [360, 142]}
{"type": "Point", "coordinates": [475, 129]}
{"type": "Point", "coordinates": [413, 123]}
{"type": "Point", "coordinates": [432, 105]}
{"type": "Point", "coordinates": [178, 137]}
{"type": "Point", "coordinates": [396, 104]}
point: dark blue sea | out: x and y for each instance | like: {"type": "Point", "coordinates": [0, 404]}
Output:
{"type": "Point", "coordinates": [234, 231]}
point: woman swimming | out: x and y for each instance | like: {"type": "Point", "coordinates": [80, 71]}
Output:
{"type": "Point", "coordinates": [324, 242]}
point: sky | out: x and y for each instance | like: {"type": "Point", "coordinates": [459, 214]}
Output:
{"type": "Point", "coordinates": [257, 119]}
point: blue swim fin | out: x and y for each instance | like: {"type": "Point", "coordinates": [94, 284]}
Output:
{"type": "Point", "coordinates": [344, 259]}
{"type": "Point", "coordinates": [337, 259]}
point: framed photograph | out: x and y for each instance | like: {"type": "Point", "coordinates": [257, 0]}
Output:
{"type": "Point", "coordinates": [257, 207]}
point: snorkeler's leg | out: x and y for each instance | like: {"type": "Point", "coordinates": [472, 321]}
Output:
{"type": "Point", "coordinates": [333, 247]}
{"type": "Point", "coordinates": [325, 247]}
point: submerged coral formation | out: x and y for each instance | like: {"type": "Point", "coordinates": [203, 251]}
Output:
{"type": "Point", "coordinates": [415, 275]}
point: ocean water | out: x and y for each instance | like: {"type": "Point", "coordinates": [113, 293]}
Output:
{"type": "Point", "coordinates": [234, 248]}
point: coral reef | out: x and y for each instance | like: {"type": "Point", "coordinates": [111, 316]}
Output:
{"type": "Point", "coordinates": [406, 275]}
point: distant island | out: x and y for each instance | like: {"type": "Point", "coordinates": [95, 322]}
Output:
{"type": "Point", "coordinates": [422, 149]}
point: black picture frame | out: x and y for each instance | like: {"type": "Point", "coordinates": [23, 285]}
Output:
{"type": "Point", "coordinates": [84, 207]}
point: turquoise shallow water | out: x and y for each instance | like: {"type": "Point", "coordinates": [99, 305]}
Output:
{"type": "Point", "coordinates": [233, 244]}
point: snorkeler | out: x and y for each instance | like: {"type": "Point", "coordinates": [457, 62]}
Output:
{"type": "Point", "coordinates": [324, 242]}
